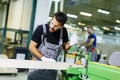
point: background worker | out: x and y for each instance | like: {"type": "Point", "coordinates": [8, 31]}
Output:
{"type": "Point", "coordinates": [47, 47]}
{"type": "Point", "coordinates": [90, 44]}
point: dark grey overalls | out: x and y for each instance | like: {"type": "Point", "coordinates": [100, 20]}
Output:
{"type": "Point", "coordinates": [93, 51]}
{"type": "Point", "coordinates": [49, 50]}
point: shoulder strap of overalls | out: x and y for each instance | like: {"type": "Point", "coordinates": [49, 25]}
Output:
{"type": "Point", "coordinates": [61, 37]}
{"type": "Point", "coordinates": [44, 33]}
{"type": "Point", "coordinates": [44, 29]}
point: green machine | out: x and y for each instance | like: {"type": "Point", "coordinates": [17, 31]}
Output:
{"type": "Point", "coordinates": [78, 73]}
{"type": "Point", "coordinates": [91, 70]}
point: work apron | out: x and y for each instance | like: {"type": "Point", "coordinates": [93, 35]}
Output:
{"type": "Point", "coordinates": [50, 51]}
{"type": "Point", "coordinates": [93, 52]}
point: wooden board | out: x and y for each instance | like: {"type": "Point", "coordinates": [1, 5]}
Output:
{"type": "Point", "coordinates": [7, 70]}
{"type": "Point", "coordinates": [15, 63]}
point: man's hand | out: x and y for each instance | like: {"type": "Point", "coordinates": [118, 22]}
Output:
{"type": "Point", "coordinates": [50, 60]}
{"type": "Point", "coordinates": [73, 40]}
{"type": "Point", "coordinates": [73, 43]}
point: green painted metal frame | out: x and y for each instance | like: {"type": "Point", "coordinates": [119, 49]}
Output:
{"type": "Point", "coordinates": [98, 71]}
{"type": "Point", "coordinates": [5, 25]}
{"type": "Point", "coordinates": [32, 21]}
{"type": "Point", "coordinates": [31, 24]}
{"type": "Point", "coordinates": [4, 29]}
{"type": "Point", "coordinates": [94, 71]}
{"type": "Point", "coordinates": [77, 73]}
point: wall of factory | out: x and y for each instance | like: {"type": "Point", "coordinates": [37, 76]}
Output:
{"type": "Point", "coordinates": [42, 12]}
{"type": "Point", "coordinates": [19, 15]}
{"type": "Point", "coordinates": [1, 15]}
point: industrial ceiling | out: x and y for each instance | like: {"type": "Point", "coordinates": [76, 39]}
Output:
{"type": "Point", "coordinates": [75, 7]}
{"type": "Point", "coordinates": [91, 6]}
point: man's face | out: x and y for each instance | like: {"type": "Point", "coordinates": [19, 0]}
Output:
{"type": "Point", "coordinates": [89, 30]}
{"type": "Point", "coordinates": [54, 25]}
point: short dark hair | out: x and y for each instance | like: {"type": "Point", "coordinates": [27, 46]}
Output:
{"type": "Point", "coordinates": [89, 27]}
{"type": "Point", "coordinates": [60, 17]}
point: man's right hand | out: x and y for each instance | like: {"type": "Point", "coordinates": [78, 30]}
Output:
{"type": "Point", "coordinates": [73, 40]}
{"type": "Point", "coordinates": [50, 60]}
{"type": "Point", "coordinates": [73, 43]}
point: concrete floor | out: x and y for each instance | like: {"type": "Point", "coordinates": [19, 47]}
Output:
{"type": "Point", "coordinates": [19, 76]}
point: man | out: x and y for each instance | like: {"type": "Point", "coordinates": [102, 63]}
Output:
{"type": "Point", "coordinates": [48, 46]}
{"type": "Point", "coordinates": [90, 44]}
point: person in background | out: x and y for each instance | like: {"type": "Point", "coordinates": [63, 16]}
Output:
{"type": "Point", "coordinates": [90, 44]}
{"type": "Point", "coordinates": [46, 44]}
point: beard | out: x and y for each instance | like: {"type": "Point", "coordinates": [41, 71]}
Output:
{"type": "Point", "coordinates": [51, 30]}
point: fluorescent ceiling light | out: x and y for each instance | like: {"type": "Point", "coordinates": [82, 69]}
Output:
{"type": "Point", "coordinates": [86, 14]}
{"type": "Point", "coordinates": [72, 16]}
{"type": "Point", "coordinates": [85, 28]}
{"type": "Point", "coordinates": [82, 24]}
{"type": "Point", "coordinates": [67, 26]}
{"type": "Point", "coordinates": [118, 21]}
{"type": "Point", "coordinates": [117, 28]}
{"type": "Point", "coordinates": [106, 28]}
{"type": "Point", "coordinates": [49, 18]}
{"type": "Point", "coordinates": [56, 0]}
{"type": "Point", "coordinates": [96, 28]}
{"type": "Point", "coordinates": [77, 28]}
{"type": "Point", "coordinates": [103, 11]}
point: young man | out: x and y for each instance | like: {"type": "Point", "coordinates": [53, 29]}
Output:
{"type": "Point", "coordinates": [48, 46]}
{"type": "Point", "coordinates": [90, 44]}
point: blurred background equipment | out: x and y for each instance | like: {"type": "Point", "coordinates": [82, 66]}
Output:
{"type": "Point", "coordinates": [114, 59]}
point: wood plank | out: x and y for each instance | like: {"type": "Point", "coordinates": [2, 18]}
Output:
{"type": "Point", "coordinates": [15, 63]}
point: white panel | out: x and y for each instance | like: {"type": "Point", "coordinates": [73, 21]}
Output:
{"type": "Point", "coordinates": [114, 59]}
{"type": "Point", "coordinates": [26, 15]}
{"type": "Point", "coordinates": [42, 12]}
{"type": "Point", "coordinates": [15, 14]}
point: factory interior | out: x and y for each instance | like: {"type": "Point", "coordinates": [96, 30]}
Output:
{"type": "Point", "coordinates": [19, 18]}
